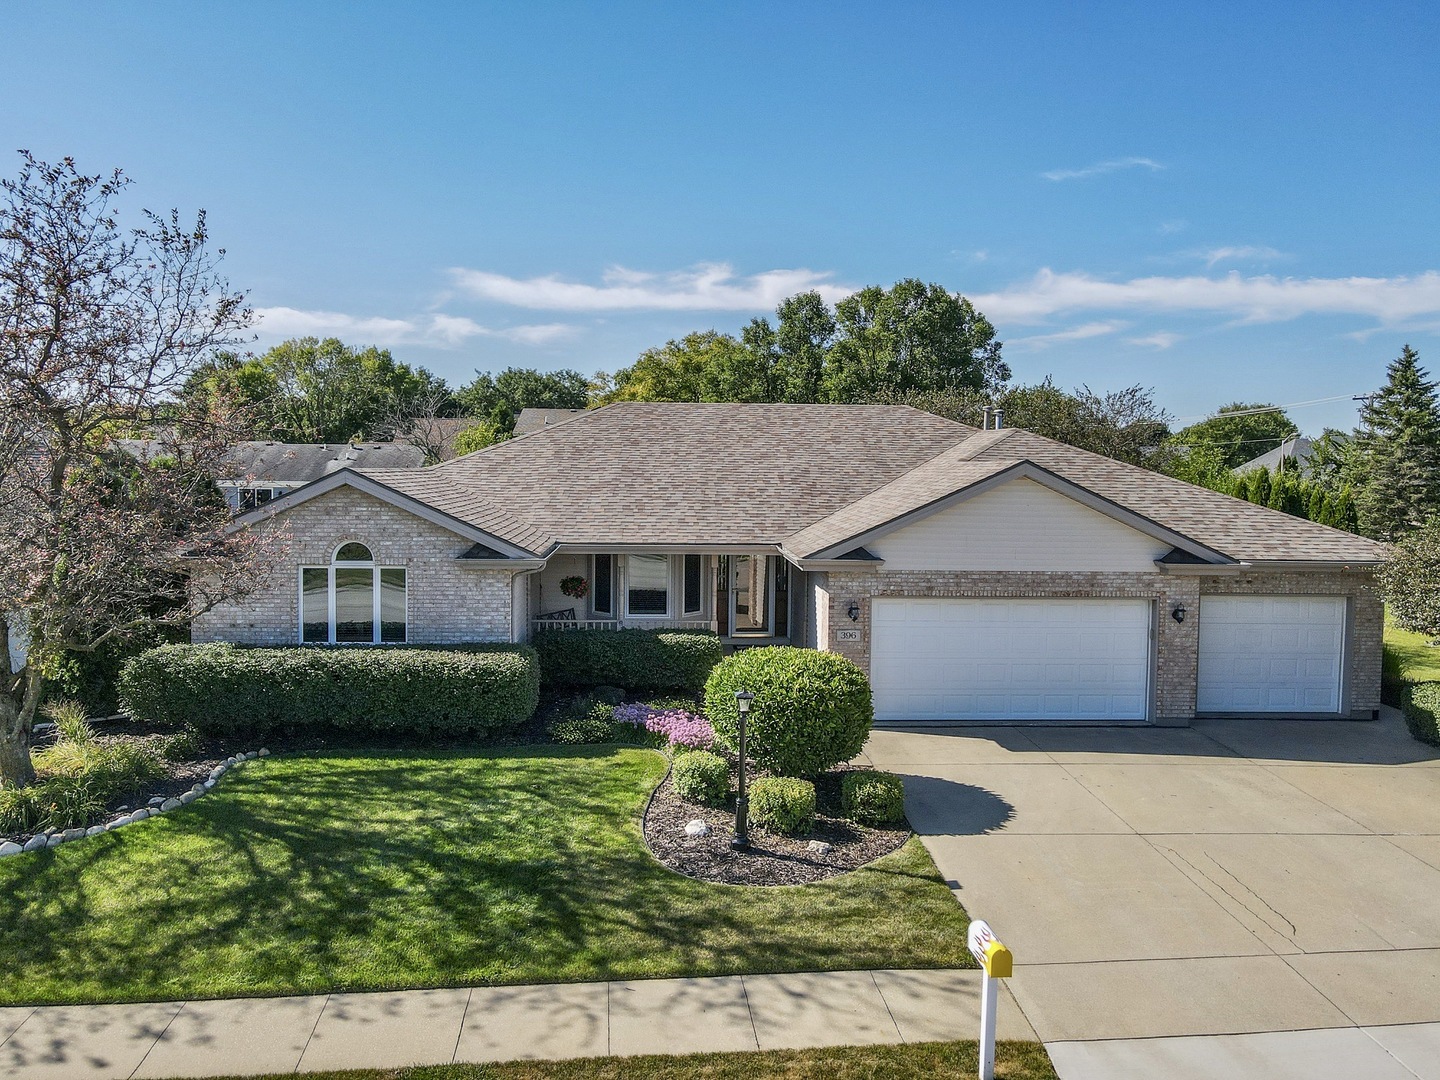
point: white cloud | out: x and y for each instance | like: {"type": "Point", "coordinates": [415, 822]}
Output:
{"type": "Point", "coordinates": [1161, 339]}
{"type": "Point", "coordinates": [1238, 254]}
{"type": "Point", "coordinates": [1262, 298]}
{"type": "Point", "coordinates": [1100, 168]}
{"type": "Point", "coordinates": [1075, 333]}
{"type": "Point", "coordinates": [707, 287]}
{"type": "Point", "coordinates": [1168, 228]}
{"type": "Point", "coordinates": [436, 329]}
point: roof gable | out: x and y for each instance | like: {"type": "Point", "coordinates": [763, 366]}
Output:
{"type": "Point", "coordinates": [370, 486]}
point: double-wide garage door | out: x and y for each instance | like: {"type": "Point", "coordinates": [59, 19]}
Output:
{"type": "Point", "coordinates": [1007, 659]}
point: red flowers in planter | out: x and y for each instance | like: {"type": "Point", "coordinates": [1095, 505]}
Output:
{"type": "Point", "coordinates": [575, 586]}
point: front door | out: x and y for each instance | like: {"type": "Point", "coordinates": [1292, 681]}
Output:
{"type": "Point", "coordinates": [751, 595]}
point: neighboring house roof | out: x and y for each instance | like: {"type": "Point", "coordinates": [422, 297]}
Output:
{"type": "Point", "coordinates": [1296, 449]}
{"type": "Point", "coordinates": [299, 463]}
{"type": "Point", "coordinates": [535, 419]}
{"type": "Point", "coordinates": [815, 480]}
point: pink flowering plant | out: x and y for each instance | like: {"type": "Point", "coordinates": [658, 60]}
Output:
{"type": "Point", "coordinates": [677, 726]}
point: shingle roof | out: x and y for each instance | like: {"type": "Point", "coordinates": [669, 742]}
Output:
{"type": "Point", "coordinates": [808, 476]}
{"type": "Point", "coordinates": [675, 473]}
{"type": "Point", "coordinates": [534, 419]}
{"type": "Point", "coordinates": [1297, 449]}
{"type": "Point", "coordinates": [297, 463]}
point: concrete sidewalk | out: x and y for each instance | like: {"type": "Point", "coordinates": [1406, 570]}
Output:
{"type": "Point", "coordinates": [431, 1027]}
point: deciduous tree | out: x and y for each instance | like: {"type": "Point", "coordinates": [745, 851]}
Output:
{"type": "Point", "coordinates": [99, 330]}
{"type": "Point", "coordinates": [1240, 432]}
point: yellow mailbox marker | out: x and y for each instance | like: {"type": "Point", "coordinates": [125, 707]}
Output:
{"type": "Point", "coordinates": [997, 962]}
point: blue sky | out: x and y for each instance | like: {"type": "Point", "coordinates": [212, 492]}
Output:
{"type": "Point", "coordinates": [1217, 200]}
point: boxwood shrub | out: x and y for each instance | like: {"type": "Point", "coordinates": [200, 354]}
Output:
{"type": "Point", "coordinates": [1420, 702]}
{"type": "Point", "coordinates": [812, 710]}
{"type": "Point", "coordinates": [872, 798]}
{"type": "Point", "coordinates": [221, 689]}
{"type": "Point", "coordinates": [632, 659]}
{"type": "Point", "coordinates": [782, 804]}
{"type": "Point", "coordinates": [702, 777]}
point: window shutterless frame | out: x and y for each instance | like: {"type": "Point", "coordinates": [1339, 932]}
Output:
{"type": "Point", "coordinates": [353, 571]}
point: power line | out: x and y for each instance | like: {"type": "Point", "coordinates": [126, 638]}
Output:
{"type": "Point", "coordinates": [1269, 408]}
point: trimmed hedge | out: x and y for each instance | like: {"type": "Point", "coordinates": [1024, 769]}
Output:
{"type": "Point", "coordinates": [1420, 703]}
{"type": "Point", "coordinates": [632, 659]}
{"type": "Point", "coordinates": [222, 689]}
{"type": "Point", "coordinates": [782, 804]}
{"type": "Point", "coordinates": [812, 709]}
{"type": "Point", "coordinates": [872, 798]}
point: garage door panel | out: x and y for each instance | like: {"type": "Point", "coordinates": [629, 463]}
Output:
{"type": "Point", "coordinates": [1271, 654]}
{"type": "Point", "coordinates": [969, 659]}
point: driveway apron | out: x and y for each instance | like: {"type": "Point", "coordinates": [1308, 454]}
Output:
{"type": "Point", "coordinates": [1233, 878]}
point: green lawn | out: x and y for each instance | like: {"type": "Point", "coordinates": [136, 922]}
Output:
{"type": "Point", "coordinates": [1410, 656]}
{"type": "Point", "coordinates": [369, 871]}
{"type": "Point", "coordinates": [1013, 1061]}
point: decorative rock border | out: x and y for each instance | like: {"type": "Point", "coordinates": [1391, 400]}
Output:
{"type": "Point", "coordinates": [158, 805]}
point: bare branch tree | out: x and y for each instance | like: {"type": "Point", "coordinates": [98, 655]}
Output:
{"type": "Point", "coordinates": [99, 329]}
{"type": "Point", "coordinates": [424, 421]}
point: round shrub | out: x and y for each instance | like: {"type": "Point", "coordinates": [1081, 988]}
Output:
{"type": "Point", "coordinates": [872, 798]}
{"type": "Point", "coordinates": [702, 777]}
{"type": "Point", "coordinates": [812, 710]}
{"type": "Point", "coordinates": [782, 804]}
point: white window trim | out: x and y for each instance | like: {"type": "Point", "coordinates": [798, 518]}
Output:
{"type": "Point", "coordinates": [669, 587]}
{"type": "Point", "coordinates": [377, 629]}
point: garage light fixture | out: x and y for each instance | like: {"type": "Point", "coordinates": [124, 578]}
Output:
{"type": "Point", "coordinates": [854, 611]}
{"type": "Point", "coordinates": [1178, 613]}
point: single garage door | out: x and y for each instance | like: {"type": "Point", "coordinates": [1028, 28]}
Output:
{"type": "Point", "coordinates": [1051, 659]}
{"type": "Point", "coordinates": [1269, 654]}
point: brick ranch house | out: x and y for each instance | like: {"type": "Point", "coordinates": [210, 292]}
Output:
{"type": "Point", "coordinates": [975, 575]}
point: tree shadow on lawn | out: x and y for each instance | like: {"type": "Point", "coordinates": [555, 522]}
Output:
{"type": "Point", "coordinates": [353, 871]}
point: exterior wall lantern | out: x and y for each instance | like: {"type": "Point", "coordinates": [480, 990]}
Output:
{"type": "Point", "coordinates": [1178, 613]}
{"type": "Point", "coordinates": [741, 842]}
{"type": "Point", "coordinates": [853, 611]}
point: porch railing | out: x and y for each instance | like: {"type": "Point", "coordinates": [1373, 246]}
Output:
{"type": "Point", "coordinates": [621, 624]}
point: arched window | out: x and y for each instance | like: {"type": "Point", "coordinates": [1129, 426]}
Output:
{"type": "Point", "coordinates": [354, 600]}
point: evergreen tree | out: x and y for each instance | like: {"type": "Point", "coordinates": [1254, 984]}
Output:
{"type": "Point", "coordinates": [1397, 452]}
{"type": "Point", "coordinates": [1259, 489]}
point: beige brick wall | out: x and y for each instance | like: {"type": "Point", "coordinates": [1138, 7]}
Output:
{"type": "Point", "coordinates": [1178, 644]}
{"type": "Point", "coordinates": [449, 603]}
{"type": "Point", "coordinates": [1364, 634]}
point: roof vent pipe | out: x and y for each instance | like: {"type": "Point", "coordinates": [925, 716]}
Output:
{"type": "Point", "coordinates": [985, 421]}
{"type": "Point", "coordinates": [999, 419]}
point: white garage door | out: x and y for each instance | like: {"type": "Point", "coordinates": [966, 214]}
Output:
{"type": "Point", "coordinates": [1266, 654]}
{"type": "Point", "coordinates": [1053, 659]}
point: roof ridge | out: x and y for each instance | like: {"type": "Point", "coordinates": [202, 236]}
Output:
{"type": "Point", "coordinates": [1281, 515]}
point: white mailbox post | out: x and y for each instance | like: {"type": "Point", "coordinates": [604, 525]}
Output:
{"type": "Point", "coordinates": [996, 963]}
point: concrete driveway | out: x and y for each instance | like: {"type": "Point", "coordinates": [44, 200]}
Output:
{"type": "Point", "coordinates": [1240, 876]}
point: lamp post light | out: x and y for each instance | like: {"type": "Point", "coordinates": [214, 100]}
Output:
{"type": "Point", "coordinates": [741, 842]}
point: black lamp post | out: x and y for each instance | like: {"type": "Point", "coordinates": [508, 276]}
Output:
{"type": "Point", "coordinates": [743, 698]}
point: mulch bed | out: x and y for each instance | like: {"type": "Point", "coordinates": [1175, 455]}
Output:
{"type": "Point", "coordinates": [771, 860]}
